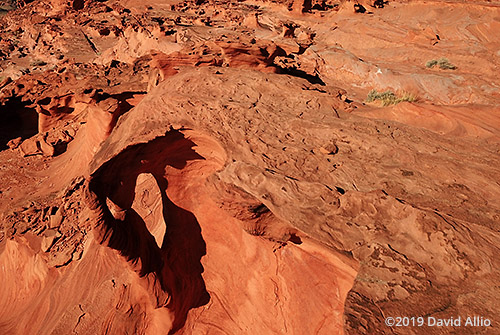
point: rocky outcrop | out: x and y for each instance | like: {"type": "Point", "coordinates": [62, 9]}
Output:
{"type": "Point", "coordinates": [213, 167]}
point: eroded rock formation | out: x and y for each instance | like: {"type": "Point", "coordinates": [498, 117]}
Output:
{"type": "Point", "coordinates": [212, 167]}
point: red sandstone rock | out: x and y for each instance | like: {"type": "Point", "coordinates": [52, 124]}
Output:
{"type": "Point", "coordinates": [199, 167]}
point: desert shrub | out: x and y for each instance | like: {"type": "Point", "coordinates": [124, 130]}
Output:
{"type": "Point", "coordinates": [443, 64]}
{"type": "Point", "coordinates": [38, 63]}
{"type": "Point", "coordinates": [431, 63]}
{"type": "Point", "coordinates": [388, 98]}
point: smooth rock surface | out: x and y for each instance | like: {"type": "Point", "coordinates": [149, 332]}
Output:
{"type": "Point", "coordinates": [213, 167]}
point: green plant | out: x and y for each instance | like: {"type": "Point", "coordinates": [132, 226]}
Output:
{"type": "Point", "coordinates": [443, 64]}
{"type": "Point", "coordinates": [38, 63]}
{"type": "Point", "coordinates": [388, 98]}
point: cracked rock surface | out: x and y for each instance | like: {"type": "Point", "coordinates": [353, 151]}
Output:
{"type": "Point", "coordinates": [213, 167]}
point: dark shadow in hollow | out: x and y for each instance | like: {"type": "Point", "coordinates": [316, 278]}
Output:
{"type": "Point", "coordinates": [17, 120]}
{"type": "Point", "coordinates": [177, 264]}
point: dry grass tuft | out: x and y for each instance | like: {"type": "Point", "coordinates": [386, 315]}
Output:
{"type": "Point", "coordinates": [389, 98]}
{"type": "Point", "coordinates": [443, 63]}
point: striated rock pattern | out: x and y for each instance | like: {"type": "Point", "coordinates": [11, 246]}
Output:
{"type": "Point", "coordinates": [214, 167]}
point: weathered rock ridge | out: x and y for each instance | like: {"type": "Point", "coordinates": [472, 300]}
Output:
{"type": "Point", "coordinates": [212, 167]}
